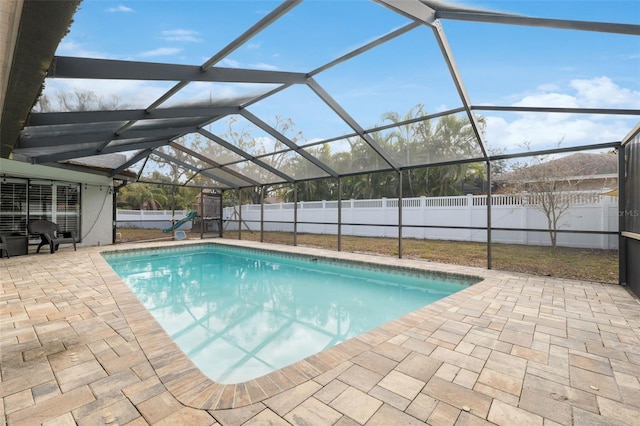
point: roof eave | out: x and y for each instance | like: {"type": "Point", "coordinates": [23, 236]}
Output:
{"type": "Point", "coordinates": [42, 26]}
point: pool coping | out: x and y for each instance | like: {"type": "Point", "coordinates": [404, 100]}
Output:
{"type": "Point", "coordinates": [186, 382]}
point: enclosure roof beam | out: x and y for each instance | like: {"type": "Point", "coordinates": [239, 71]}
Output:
{"type": "Point", "coordinates": [70, 155]}
{"type": "Point", "coordinates": [441, 38]}
{"type": "Point", "coordinates": [632, 134]}
{"type": "Point", "coordinates": [79, 138]}
{"type": "Point", "coordinates": [231, 47]}
{"type": "Point", "coordinates": [263, 23]}
{"type": "Point", "coordinates": [193, 168]}
{"type": "Point", "coordinates": [366, 47]}
{"type": "Point", "coordinates": [282, 138]}
{"type": "Point", "coordinates": [82, 117]}
{"type": "Point", "coordinates": [212, 163]}
{"type": "Point", "coordinates": [245, 155]}
{"type": "Point", "coordinates": [109, 69]}
{"type": "Point", "coordinates": [426, 14]}
{"type": "Point", "coordinates": [351, 122]}
{"type": "Point", "coordinates": [414, 10]}
{"type": "Point", "coordinates": [133, 160]}
{"type": "Point", "coordinates": [563, 24]}
{"type": "Point", "coordinates": [606, 111]}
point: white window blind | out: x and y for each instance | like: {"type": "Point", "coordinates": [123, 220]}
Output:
{"type": "Point", "coordinates": [22, 200]}
{"type": "Point", "coordinates": [13, 207]}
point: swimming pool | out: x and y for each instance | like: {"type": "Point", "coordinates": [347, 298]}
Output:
{"type": "Point", "coordinates": [241, 313]}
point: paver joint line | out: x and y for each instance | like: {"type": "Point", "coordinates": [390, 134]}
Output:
{"type": "Point", "coordinates": [513, 348]}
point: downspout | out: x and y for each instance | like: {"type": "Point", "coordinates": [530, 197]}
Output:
{"type": "Point", "coordinates": [114, 211]}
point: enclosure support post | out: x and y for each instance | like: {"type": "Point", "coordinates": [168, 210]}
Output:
{"type": "Point", "coordinates": [173, 212]}
{"type": "Point", "coordinates": [488, 214]}
{"type": "Point", "coordinates": [220, 212]}
{"type": "Point", "coordinates": [114, 215]}
{"type": "Point", "coordinates": [239, 213]}
{"type": "Point", "coordinates": [295, 214]}
{"type": "Point", "coordinates": [339, 213]}
{"type": "Point", "coordinates": [262, 214]}
{"type": "Point", "coordinates": [400, 214]}
{"type": "Point", "coordinates": [622, 205]}
{"type": "Point", "coordinates": [202, 213]}
{"type": "Point", "coordinates": [220, 215]}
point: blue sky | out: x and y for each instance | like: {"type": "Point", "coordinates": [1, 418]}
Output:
{"type": "Point", "coordinates": [500, 64]}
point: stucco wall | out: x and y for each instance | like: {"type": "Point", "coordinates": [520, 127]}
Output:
{"type": "Point", "coordinates": [96, 197]}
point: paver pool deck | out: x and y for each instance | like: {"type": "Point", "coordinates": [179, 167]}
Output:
{"type": "Point", "coordinates": [77, 347]}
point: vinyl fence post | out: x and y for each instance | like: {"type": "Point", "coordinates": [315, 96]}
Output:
{"type": "Point", "coordinates": [339, 214]}
{"type": "Point", "coordinates": [262, 214]}
{"type": "Point", "coordinates": [400, 214]}
{"type": "Point", "coordinates": [488, 214]}
{"type": "Point", "coordinates": [295, 214]}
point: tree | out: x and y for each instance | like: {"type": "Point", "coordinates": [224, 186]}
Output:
{"type": "Point", "coordinates": [78, 100]}
{"type": "Point", "coordinates": [548, 185]}
{"type": "Point", "coordinates": [143, 196]}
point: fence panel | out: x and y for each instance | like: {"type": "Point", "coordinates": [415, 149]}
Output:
{"type": "Point", "coordinates": [427, 218]}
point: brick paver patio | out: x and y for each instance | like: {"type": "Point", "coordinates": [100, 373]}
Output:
{"type": "Point", "coordinates": [79, 348]}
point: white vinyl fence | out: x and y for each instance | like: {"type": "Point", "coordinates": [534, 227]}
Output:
{"type": "Point", "coordinates": [422, 217]}
{"type": "Point", "coordinates": [150, 219]}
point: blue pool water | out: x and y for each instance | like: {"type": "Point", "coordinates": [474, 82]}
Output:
{"type": "Point", "coordinates": [242, 313]}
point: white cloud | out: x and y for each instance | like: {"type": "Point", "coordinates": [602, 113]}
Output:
{"type": "Point", "coordinates": [181, 35]}
{"type": "Point", "coordinates": [120, 8]}
{"type": "Point", "coordinates": [230, 63]}
{"type": "Point", "coordinates": [263, 66]}
{"type": "Point", "coordinates": [601, 92]}
{"type": "Point", "coordinates": [545, 130]}
{"type": "Point", "coordinates": [554, 100]}
{"type": "Point", "coordinates": [161, 51]}
{"type": "Point", "coordinates": [71, 48]}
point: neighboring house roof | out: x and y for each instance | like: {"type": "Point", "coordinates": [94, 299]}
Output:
{"type": "Point", "coordinates": [579, 165]}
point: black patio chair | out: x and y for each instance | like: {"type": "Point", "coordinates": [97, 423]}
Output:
{"type": "Point", "coordinates": [4, 247]}
{"type": "Point", "coordinates": [51, 234]}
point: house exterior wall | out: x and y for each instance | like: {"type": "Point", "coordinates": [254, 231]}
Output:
{"type": "Point", "coordinates": [96, 206]}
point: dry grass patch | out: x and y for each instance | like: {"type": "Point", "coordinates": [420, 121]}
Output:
{"type": "Point", "coordinates": [563, 262]}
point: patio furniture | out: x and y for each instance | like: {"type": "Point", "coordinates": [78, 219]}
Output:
{"type": "Point", "coordinates": [14, 244]}
{"type": "Point", "coordinates": [51, 234]}
{"type": "Point", "coordinates": [4, 248]}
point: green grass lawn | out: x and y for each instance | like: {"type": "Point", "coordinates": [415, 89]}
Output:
{"type": "Point", "coordinates": [563, 262]}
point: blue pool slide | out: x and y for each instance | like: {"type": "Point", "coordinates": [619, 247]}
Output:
{"type": "Point", "coordinates": [179, 223]}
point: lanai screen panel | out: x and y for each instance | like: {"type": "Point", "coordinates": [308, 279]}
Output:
{"type": "Point", "coordinates": [521, 132]}
{"type": "Point", "coordinates": [295, 73]}
{"type": "Point", "coordinates": [159, 169]}
{"type": "Point", "coordinates": [307, 117]}
{"type": "Point", "coordinates": [306, 38]}
{"type": "Point", "coordinates": [370, 90]}
{"type": "Point", "coordinates": [258, 173]}
{"type": "Point", "coordinates": [348, 156]}
{"type": "Point", "coordinates": [210, 149]}
{"type": "Point", "coordinates": [217, 94]}
{"type": "Point", "coordinates": [246, 136]}
{"type": "Point", "coordinates": [99, 94]}
{"type": "Point", "coordinates": [437, 140]}
{"type": "Point", "coordinates": [547, 69]}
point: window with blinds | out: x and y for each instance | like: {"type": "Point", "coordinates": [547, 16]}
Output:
{"type": "Point", "coordinates": [13, 207]}
{"type": "Point", "coordinates": [23, 200]}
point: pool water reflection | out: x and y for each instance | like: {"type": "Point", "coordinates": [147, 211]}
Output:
{"type": "Point", "coordinates": [240, 314]}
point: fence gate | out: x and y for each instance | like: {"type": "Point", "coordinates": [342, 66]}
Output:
{"type": "Point", "coordinates": [208, 221]}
